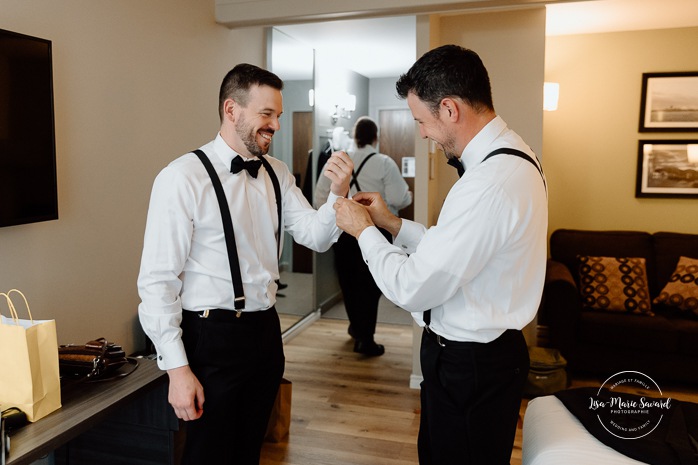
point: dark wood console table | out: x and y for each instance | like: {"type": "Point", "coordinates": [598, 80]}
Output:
{"type": "Point", "coordinates": [127, 420]}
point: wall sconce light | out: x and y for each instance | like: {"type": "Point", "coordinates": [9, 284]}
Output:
{"type": "Point", "coordinates": [311, 97]}
{"type": "Point", "coordinates": [343, 108]}
{"type": "Point", "coordinates": [551, 95]}
{"type": "Point", "coordinates": [334, 115]}
{"type": "Point", "coordinates": [692, 153]}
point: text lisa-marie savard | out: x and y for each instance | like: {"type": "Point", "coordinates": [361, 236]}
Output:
{"type": "Point", "coordinates": [622, 404]}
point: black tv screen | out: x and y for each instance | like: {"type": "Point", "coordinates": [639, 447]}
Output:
{"type": "Point", "coordinates": [28, 186]}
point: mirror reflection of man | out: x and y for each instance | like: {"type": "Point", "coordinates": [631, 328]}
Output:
{"type": "Point", "coordinates": [224, 365]}
{"type": "Point", "coordinates": [375, 172]}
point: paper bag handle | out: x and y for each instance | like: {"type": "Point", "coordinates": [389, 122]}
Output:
{"type": "Point", "coordinates": [13, 310]}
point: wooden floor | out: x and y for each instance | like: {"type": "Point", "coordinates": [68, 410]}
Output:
{"type": "Point", "coordinates": [352, 410]}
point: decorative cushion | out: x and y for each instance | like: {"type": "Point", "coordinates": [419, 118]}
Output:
{"type": "Point", "coordinates": [615, 284]}
{"type": "Point", "coordinates": [682, 289]}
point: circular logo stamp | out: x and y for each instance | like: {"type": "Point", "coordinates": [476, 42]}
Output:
{"type": "Point", "coordinates": [627, 415]}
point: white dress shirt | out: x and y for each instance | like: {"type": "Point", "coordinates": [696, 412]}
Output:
{"type": "Point", "coordinates": [379, 174]}
{"type": "Point", "coordinates": [481, 268]}
{"type": "Point", "coordinates": [185, 260]}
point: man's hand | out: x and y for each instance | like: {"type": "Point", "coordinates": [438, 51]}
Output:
{"type": "Point", "coordinates": [186, 395]}
{"type": "Point", "coordinates": [379, 212]}
{"type": "Point", "coordinates": [352, 217]}
{"type": "Point", "coordinates": [339, 169]}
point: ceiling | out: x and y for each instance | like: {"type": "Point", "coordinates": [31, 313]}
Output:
{"type": "Point", "coordinates": [377, 47]}
{"type": "Point", "coordinates": [619, 15]}
{"type": "Point", "coordinates": [384, 47]}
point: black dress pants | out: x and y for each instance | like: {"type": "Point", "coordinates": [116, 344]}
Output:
{"type": "Point", "coordinates": [361, 294]}
{"type": "Point", "coordinates": [239, 362]}
{"type": "Point", "coordinates": [471, 395]}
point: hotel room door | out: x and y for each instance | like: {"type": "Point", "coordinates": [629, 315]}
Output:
{"type": "Point", "coordinates": [397, 140]}
{"type": "Point", "coordinates": [302, 146]}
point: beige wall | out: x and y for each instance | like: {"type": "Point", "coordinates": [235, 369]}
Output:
{"type": "Point", "coordinates": [136, 85]}
{"type": "Point", "coordinates": [590, 144]}
{"type": "Point", "coordinates": [511, 44]}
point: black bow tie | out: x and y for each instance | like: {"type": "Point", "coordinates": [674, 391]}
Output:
{"type": "Point", "coordinates": [455, 162]}
{"type": "Point", "coordinates": [251, 166]}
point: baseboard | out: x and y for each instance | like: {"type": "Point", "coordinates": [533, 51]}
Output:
{"type": "Point", "coordinates": [415, 381]}
{"type": "Point", "coordinates": [330, 302]}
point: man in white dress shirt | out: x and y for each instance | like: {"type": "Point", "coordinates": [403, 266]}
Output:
{"type": "Point", "coordinates": [375, 172]}
{"type": "Point", "coordinates": [224, 365]}
{"type": "Point", "coordinates": [479, 271]}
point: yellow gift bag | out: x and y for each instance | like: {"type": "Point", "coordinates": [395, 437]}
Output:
{"type": "Point", "coordinates": [29, 377]}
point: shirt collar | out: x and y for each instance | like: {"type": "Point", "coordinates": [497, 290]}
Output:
{"type": "Point", "coordinates": [476, 150]}
{"type": "Point", "coordinates": [366, 149]}
{"type": "Point", "coordinates": [223, 150]}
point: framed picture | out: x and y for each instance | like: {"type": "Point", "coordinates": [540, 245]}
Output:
{"type": "Point", "coordinates": [669, 102]}
{"type": "Point", "coordinates": [667, 168]}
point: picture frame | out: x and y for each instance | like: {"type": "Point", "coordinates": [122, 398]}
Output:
{"type": "Point", "coordinates": [667, 168]}
{"type": "Point", "coordinates": [669, 102]}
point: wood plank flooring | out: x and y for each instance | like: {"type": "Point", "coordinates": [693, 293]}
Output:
{"type": "Point", "coordinates": [349, 409]}
{"type": "Point", "coordinates": [352, 410]}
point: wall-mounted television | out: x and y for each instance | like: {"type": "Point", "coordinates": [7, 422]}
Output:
{"type": "Point", "coordinates": [28, 185]}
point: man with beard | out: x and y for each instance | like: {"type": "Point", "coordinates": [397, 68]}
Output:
{"type": "Point", "coordinates": [223, 351]}
{"type": "Point", "coordinates": [473, 280]}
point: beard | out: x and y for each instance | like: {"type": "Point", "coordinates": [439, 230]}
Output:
{"type": "Point", "coordinates": [248, 135]}
{"type": "Point", "coordinates": [448, 141]}
{"type": "Point", "coordinates": [449, 148]}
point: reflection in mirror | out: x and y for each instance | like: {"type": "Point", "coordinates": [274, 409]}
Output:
{"type": "Point", "coordinates": [293, 62]}
{"type": "Point", "coordinates": [306, 57]}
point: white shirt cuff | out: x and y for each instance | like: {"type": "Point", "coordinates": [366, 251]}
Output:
{"type": "Point", "coordinates": [409, 236]}
{"type": "Point", "coordinates": [332, 198]}
{"type": "Point", "coordinates": [171, 355]}
{"type": "Point", "coordinates": [369, 238]}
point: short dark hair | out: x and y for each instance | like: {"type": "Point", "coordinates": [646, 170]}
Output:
{"type": "Point", "coordinates": [448, 71]}
{"type": "Point", "coordinates": [365, 131]}
{"type": "Point", "coordinates": [238, 81]}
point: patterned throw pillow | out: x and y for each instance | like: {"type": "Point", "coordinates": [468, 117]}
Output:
{"type": "Point", "coordinates": [615, 284]}
{"type": "Point", "coordinates": [682, 289]}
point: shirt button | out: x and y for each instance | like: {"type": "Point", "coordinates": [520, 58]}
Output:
{"type": "Point", "coordinates": [159, 357]}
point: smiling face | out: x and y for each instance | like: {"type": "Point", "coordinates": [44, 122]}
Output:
{"type": "Point", "coordinates": [249, 129]}
{"type": "Point", "coordinates": [433, 126]}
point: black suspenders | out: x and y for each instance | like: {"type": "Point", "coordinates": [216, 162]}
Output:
{"type": "Point", "coordinates": [233, 259]}
{"type": "Point", "coordinates": [520, 154]}
{"type": "Point", "coordinates": [355, 175]}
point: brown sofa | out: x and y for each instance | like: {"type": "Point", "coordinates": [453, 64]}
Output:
{"type": "Point", "coordinates": [602, 343]}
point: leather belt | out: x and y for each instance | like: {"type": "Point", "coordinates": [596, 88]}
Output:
{"type": "Point", "coordinates": [222, 314]}
{"type": "Point", "coordinates": [443, 342]}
